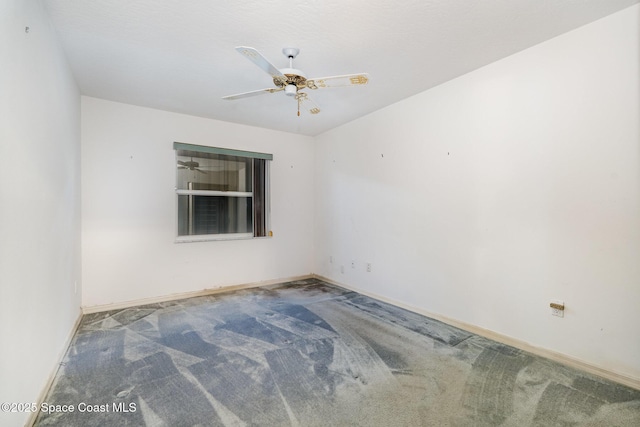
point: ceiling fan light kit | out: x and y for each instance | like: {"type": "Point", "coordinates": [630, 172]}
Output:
{"type": "Point", "coordinates": [292, 81]}
{"type": "Point", "coordinates": [291, 90]}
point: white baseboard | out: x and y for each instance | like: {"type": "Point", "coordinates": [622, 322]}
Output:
{"type": "Point", "coordinates": [184, 295]}
{"type": "Point", "coordinates": [504, 339]}
{"type": "Point", "coordinates": [45, 390]}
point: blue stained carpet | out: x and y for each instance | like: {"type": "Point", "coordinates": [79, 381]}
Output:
{"type": "Point", "coordinates": [308, 353]}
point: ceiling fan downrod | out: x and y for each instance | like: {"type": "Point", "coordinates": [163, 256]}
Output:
{"type": "Point", "coordinates": [291, 86]}
{"type": "Point", "coordinates": [291, 53]}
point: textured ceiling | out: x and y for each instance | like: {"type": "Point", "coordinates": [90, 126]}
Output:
{"type": "Point", "coordinates": [179, 55]}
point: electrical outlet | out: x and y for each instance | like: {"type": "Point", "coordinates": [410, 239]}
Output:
{"type": "Point", "coordinates": [353, 264]}
{"type": "Point", "coordinates": [557, 308]}
{"type": "Point", "coordinates": [330, 259]}
{"type": "Point", "coordinates": [368, 267]}
{"type": "Point", "coordinates": [342, 269]}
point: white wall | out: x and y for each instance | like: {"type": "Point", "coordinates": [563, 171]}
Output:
{"type": "Point", "coordinates": [39, 203]}
{"type": "Point", "coordinates": [129, 206]}
{"type": "Point", "coordinates": [485, 198]}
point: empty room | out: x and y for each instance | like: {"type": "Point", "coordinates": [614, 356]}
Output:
{"type": "Point", "coordinates": [306, 213]}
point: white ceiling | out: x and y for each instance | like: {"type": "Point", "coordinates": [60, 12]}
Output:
{"type": "Point", "coordinates": [179, 55]}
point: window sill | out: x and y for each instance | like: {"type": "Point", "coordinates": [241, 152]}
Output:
{"type": "Point", "coordinates": [214, 237]}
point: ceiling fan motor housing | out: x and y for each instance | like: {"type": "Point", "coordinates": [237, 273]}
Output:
{"type": "Point", "coordinates": [292, 76]}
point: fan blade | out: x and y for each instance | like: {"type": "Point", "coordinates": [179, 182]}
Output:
{"type": "Point", "coordinates": [253, 93]}
{"type": "Point", "coordinates": [181, 163]}
{"type": "Point", "coordinates": [256, 57]}
{"type": "Point", "coordinates": [182, 167]}
{"type": "Point", "coordinates": [306, 102]}
{"type": "Point", "coordinates": [338, 81]}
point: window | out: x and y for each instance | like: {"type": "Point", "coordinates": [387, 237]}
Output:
{"type": "Point", "coordinates": [222, 193]}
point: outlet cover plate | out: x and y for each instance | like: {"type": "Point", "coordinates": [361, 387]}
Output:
{"type": "Point", "coordinates": [556, 311]}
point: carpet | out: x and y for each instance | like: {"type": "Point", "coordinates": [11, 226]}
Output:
{"type": "Point", "coordinates": [307, 353]}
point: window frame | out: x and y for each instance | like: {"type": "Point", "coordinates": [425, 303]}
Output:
{"type": "Point", "coordinates": [264, 212]}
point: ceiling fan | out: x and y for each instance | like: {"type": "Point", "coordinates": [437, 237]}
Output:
{"type": "Point", "coordinates": [191, 165]}
{"type": "Point", "coordinates": [293, 81]}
